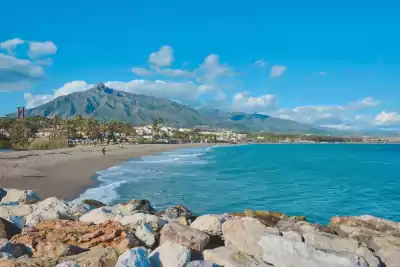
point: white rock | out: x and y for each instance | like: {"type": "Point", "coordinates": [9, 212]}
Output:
{"type": "Point", "coordinates": [327, 241]}
{"type": "Point", "coordinates": [209, 224]}
{"type": "Point", "coordinates": [293, 236]}
{"type": "Point", "coordinates": [281, 251]}
{"type": "Point", "coordinates": [15, 197]}
{"type": "Point", "coordinates": [229, 257]}
{"type": "Point", "coordinates": [139, 218]}
{"type": "Point", "coordinates": [17, 210]}
{"type": "Point", "coordinates": [145, 234]}
{"type": "Point", "coordinates": [99, 215]}
{"type": "Point", "coordinates": [54, 208]}
{"type": "Point", "coordinates": [135, 257]}
{"type": "Point", "coordinates": [170, 255]}
{"type": "Point", "coordinates": [67, 264]}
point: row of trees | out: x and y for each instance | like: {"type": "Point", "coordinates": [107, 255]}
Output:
{"type": "Point", "coordinates": [21, 132]}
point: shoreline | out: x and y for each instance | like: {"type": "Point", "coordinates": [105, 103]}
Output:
{"type": "Point", "coordinates": [66, 173]}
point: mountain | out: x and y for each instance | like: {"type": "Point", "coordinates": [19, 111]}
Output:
{"type": "Point", "coordinates": [104, 103]}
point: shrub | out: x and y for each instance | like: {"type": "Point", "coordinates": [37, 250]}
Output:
{"type": "Point", "coordinates": [43, 143]}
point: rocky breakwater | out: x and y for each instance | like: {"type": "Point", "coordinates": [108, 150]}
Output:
{"type": "Point", "coordinates": [53, 232]}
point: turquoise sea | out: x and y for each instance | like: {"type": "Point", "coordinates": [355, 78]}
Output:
{"type": "Point", "coordinates": [315, 180]}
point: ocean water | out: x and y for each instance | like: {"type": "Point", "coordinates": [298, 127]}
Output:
{"type": "Point", "coordinates": [318, 181]}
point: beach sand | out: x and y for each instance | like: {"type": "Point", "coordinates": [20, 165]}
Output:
{"type": "Point", "coordinates": [65, 173]}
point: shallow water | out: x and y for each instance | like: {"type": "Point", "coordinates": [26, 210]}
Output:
{"type": "Point", "coordinates": [318, 181]}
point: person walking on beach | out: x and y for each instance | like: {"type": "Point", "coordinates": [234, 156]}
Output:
{"type": "Point", "coordinates": [104, 151]}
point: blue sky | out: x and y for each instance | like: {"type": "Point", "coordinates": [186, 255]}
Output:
{"type": "Point", "coordinates": [328, 64]}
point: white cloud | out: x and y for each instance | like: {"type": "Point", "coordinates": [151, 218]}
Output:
{"type": "Point", "coordinates": [18, 74]}
{"type": "Point", "coordinates": [68, 88]}
{"type": "Point", "coordinates": [342, 127]}
{"type": "Point", "coordinates": [142, 71]}
{"type": "Point", "coordinates": [243, 102]}
{"type": "Point", "coordinates": [330, 114]}
{"type": "Point", "coordinates": [174, 72]}
{"type": "Point", "coordinates": [163, 57]}
{"type": "Point", "coordinates": [277, 71]}
{"type": "Point", "coordinates": [261, 63]}
{"type": "Point", "coordinates": [40, 49]}
{"type": "Point", "coordinates": [204, 88]}
{"type": "Point", "coordinates": [387, 118]}
{"type": "Point", "coordinates": [367, 102]}
{"type": "Point", "coordinates": [322, 73]}
{"type": "Point", "coordinates": [11, 44]}
{"type": "Point", "coordinates": [211, 69]}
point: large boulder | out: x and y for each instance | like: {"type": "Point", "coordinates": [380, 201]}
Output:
{"type": "Point", "coordinates": [15, 197]}
{"type": "Point", "coordinates": [145, 234]}
{"type": "Point", "coordinates": [179, 211]}
{"type": "Point", "coordinates": [79, 234]}
{"type": "Point", "coordinates": [54, 249]}
{"type": "Point", "coordinates": [98, 215]}
{"type": "Point", "coordinates": [209, 224]}
{"type": "Point", "coordinates": [380, 235]}
{"type": "Point", "coordinates": [280, 251]}
{"type": "Point", "coordinates": [53, 208]}
{"type": "Point", "coordinates": [140, 218]}
{"type": "Point", "coordinates": [16, 213]}
{"type": "Point", "coordinates": [136, 257]}
{"type": "Point", "coordinates": [8, 229]}
{"type": "Point", "coordinates": [96, 257]}
{"type": "Point", "coordinates": [134, 206]}
{"type": "Point", "coordinates": [184, 235]}
{"type": "Point", "coordinates": [245, 234]}
{"type": "Point", "coordinates": [229, 257]}
{"type": "Point", "coordinates": [254, 239]}
{"type": "Point", "coordinates": [170, 255]}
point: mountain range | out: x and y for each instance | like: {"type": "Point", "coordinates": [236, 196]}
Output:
{"type": "Point", "coordinates": [104, 103]}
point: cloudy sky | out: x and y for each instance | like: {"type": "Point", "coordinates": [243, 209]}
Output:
{"type": "Point", "coordinates": [334, 65]}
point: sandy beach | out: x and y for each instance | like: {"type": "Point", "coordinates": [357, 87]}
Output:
{"type": "Point", "coordinates": [65, 173]}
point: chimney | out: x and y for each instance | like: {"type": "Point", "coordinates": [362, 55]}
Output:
{"type": "Point", "coordinates": [18, 111]}
{"type": "Point", "coordinates": [23, 113]}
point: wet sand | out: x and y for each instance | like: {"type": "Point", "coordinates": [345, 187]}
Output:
{"type": "Point", "coordinates": [65, 173]}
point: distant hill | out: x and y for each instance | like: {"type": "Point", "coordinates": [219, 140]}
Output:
{"type": "Point", "coordinates": [105, 103]}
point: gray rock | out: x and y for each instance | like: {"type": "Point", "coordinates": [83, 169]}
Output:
{"type": "Point", "coordinates": [15, 197]}
{"type": "Point", "coordinates": [229, 257]}
{"type": "Point", "coordinates": [281, 251]}
{"type": "Point", "coordinates": [98, 216]}
{"type": "Point", "coordinates": [209, 224]}
{"type": "Point", "coordinates": [96, 257]}
{"type": "Point", "coordinates": [170, 255]}
{"type": "Point", "coordinates": [178, 212]}
{"type": "Point", "coordinates": [330, 242]}
{"type": "Point", "coordinates": [135, 257]}
{"type": "Point", "coordinates": [184, 235]}
{"type": "Point", "coordinates": [53, 208]}
{"type": "Point", "coordinates": [293, 236]}
{"type": "Point", "coordinates": [140, 218]}
{"type": "Point", "coordinates": [145, 234]}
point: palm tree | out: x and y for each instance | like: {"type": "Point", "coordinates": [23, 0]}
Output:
{"type": "Point", "coordinates": [156, 126]}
